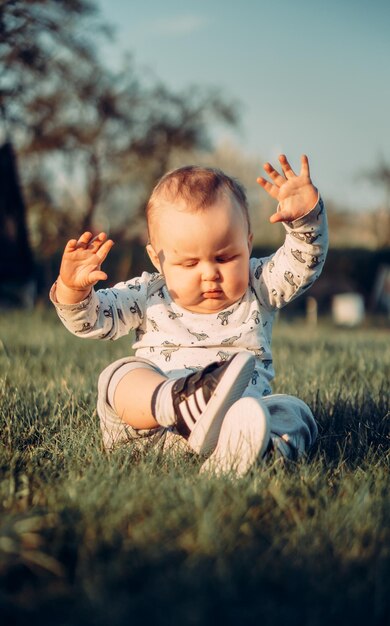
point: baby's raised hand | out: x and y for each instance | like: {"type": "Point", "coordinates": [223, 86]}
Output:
{"type": "Point", "coordinates": [295, 193]}
{"type": "Point", "coordinates": [81, 262]}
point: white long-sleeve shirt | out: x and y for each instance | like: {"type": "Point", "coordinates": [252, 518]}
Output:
{"type": "Point", "coordinates": [180, 341]}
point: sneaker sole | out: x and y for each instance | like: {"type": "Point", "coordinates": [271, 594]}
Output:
{"type": "Point", "coordinates": [243, 439]}
{"type": "Point", "coordinates": [204, 436]}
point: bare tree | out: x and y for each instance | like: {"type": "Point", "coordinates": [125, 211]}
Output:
{"type": "Point", "coordinates": [39, 42]}
{"type": "Point", "coordinates": [42, 43]}
{"type": "Point", "coordinates": [103, 132]}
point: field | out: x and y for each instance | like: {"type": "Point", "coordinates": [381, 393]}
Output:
{"type": "Point", "coordinates": [132, 538]}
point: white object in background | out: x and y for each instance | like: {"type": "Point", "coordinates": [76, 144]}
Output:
{"type": "Point", "coordinates": [348, 309]}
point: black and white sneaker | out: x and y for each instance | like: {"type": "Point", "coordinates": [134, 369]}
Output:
{"type": "Point", "coordinates": [244, 439]}
{"type": "Point", "coordinates": [201, 400]}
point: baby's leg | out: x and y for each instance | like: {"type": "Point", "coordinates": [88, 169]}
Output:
{"type": "Point", "coordinates": [255, 428]}
{"type": "Point", "coordinates": [130, 392]}
{"type": "Point", "coordinates": [136, 396]}
{"type": "Point", "coordinates": [293, 427]}
{"type": "Point", "coordinates": [115, 430]}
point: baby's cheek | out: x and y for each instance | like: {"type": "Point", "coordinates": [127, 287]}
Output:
{"type": "Point", "coordinates": [180, 287]}
{"type": "Point", "coordinates": [240, 281]}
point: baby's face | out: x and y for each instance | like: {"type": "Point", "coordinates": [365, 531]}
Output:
{"type": "Point", "coordinates": [203, 255]}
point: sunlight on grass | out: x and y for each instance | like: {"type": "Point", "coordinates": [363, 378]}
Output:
{"type": "Point", "coordinates": [96, 539]}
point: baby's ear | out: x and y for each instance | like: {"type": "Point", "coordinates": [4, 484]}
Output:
{"type": "Point", "coordinates": [250, 242]}
{"type": "Point", "coordinates": [153, 257]}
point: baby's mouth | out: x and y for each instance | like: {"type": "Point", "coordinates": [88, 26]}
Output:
{"type": "Point", "coordinates": [212, 293]}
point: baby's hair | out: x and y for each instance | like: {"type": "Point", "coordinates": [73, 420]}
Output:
{"type": "Point", "coordinates": [199, 187]}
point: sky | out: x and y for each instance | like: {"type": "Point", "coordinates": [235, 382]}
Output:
{"type": "Point", "coordinates": [310, 77]}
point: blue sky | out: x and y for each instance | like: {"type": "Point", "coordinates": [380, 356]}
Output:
{"type": "Point", "coordinates": [310, 76]}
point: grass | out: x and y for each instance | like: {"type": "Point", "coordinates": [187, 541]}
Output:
{"type": "Point", "coordinates": [91, 539]}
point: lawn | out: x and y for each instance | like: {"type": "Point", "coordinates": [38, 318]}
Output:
{"type": "Point", "coordinates": [135, 538]}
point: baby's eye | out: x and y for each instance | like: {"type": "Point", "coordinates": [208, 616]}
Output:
{"type": "Point", "coordinates": [189, 263]}
{"type": "Point", "coordinates": [225, 259]}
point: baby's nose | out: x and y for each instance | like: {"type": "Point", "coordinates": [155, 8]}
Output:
{"type": "Point", "coordinates": [210, 271]}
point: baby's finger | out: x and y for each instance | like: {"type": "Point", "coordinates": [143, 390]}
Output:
{"type": "Point", "coordinates": [95, 276]}
{"type": "Point", "coordinates": [71, 245]}
{"type": "Point", "coordinates": [305, 169]}
{"type": "Point", "coordinates": [286, 167]}
{"type": "Point", "coordinates": [279, 217]}
{"type": "Point", "coordinates": [84, 240]}
{"type": "Point", "coordinates": [104, 250]}
{"type": "Point", "coordinates": [273, 190]}
{"type": "Point", "coordinates": [97, 241]}
{"type": "Point", "coordinates": [272, 173]}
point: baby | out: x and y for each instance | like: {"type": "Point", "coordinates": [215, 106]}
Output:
{"type": "Point", "coordinates": [203, 322]}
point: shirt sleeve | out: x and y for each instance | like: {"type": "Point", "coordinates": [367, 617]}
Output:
{"type": "Point", "coordinates": [293, 268]}
{"type": "Point", "coordinates": [106, 313]}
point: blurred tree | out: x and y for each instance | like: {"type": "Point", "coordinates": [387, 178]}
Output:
{"type": "Point", "coordinates": [83, 134]}
{"type": "Point", "coordinates": [43, 47]}
{"type": "Point", "coordinates": [380, 175]}
{"type": "Point", "coordinates": [39, 43]}
{"type": "Point", "coordinates": [118, 145]}
{"type": "Point", "coordinates": [16, 261]}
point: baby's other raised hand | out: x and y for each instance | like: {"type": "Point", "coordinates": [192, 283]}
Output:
{"type": "Point", "coordinates": [81, 266]}
{"type": "Point", "coordinates": [295, 193]}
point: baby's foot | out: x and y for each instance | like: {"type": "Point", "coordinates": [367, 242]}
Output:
{"type": "Point", "coordinates": [244, 438]}
{"type": "Point", "coordinates": [201, 400]}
